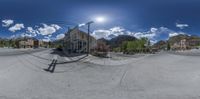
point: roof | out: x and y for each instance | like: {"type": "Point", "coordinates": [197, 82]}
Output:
{"type": "Point", "coordinates": [80, 31]}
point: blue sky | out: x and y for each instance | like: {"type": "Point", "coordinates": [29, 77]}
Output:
{"type": "Point", "coordinates": [49, 19]}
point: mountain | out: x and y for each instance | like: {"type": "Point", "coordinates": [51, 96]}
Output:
{"type": "Point", "coordinates": [180, 37]}
{"type": "Point", "coordinates": [103, 40]}
{"type": "Point", "coordinates": [160, 44]}
{"type": "Point", "coordinates": [117, 41]}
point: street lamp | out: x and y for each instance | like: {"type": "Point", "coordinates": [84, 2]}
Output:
{"type": "Point", "coordinates": [99, 19]}
{"type": "Point", "coordinates": [88, 38]}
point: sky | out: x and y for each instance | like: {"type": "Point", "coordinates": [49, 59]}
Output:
{"type": "Point", "coordinates": [50, 19]}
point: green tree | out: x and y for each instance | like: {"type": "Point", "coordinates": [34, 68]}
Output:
{"type": "Point", "coordinates": [124, 46]}
{"type": "Point", "coordinates": [143, 42]}
{"type": "Point", "coordinates": [168, 46]}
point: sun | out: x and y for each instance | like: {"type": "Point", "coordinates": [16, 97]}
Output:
{"type": "Point", "coordinates": [100, 19]}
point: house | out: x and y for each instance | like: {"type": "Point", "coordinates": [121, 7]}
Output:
{"type": "Point", "coordinates": [101, 49]}
{"type": "Point", "coordinates": [185, 44]}
{"type": "Point", "coordinates": [29, 43]}
{"type": "Point", "coordinates": [102, 46]}
{"type": "Point", "coordinates": [44, 44]}
{"type": "Point", "coordinates": [181, 45]}
{"type": "Point", "coordinates": [194, 43]}
{"type": "Point", "coordinates": [76, 41]}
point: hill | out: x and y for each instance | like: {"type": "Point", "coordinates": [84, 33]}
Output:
{"type": "Point", "coordinates": [193, 39]}
{"type": "Point", "coordinates": [117, 41]}
{"type": "Point", "coordinates": [160, 44]}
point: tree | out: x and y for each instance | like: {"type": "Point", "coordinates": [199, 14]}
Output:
{"type": "Point", "coordinates": [124, 46]}
{"type": "Point", "coordinates": [130, 46]}
{"type": "Point", "coordinates": [168, 46]}
{"type": "Point", "coordinates": [143, 42]}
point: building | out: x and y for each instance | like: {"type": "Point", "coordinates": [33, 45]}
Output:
{"type": "Point", "coordinates": [181, 45]}
{"type": "Point", "coordinates": [44, 44]}
{"type": "Point", "coordinates": [29, 43]}
{"type": "Point", "coordinates": [194, 42]}
{"type": "Point", "coordinates": [102, 46]}
{"type": "Point", "coordinates": [160, 45]}
{"type": "Point", "coordinates": [185, 44]}
{"type": "Point", "coordinates": [76, 41]}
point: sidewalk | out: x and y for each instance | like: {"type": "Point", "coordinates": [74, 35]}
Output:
{"type": "Point", "coordinates": [67, 58]}
{"type": "Point", "coordinates": [112, 61]}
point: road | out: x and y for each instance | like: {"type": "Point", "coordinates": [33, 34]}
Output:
{"type": "Point", "coordinates": [158, 76]}
{"type": "Point", "coordinates": [13, 52]}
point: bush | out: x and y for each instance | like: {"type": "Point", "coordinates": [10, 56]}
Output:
{"type": "Point", "coordinates": [100, 54]}
{"type": "Point", "coordinates": [59, 48]}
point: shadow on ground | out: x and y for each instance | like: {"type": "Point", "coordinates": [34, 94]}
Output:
{"type": "Point", "coordinates": [62, 54]}
{"type": "Point", "coordinates": [71, 56]}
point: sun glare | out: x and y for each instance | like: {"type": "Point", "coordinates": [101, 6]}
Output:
{"type": "Point", "coordinates": [100, 19]}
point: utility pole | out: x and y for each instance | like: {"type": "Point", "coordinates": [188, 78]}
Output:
{"type": "Point", "coordinates": [69, 49]}
{"type": "Point", "coordinates": [88, 38]}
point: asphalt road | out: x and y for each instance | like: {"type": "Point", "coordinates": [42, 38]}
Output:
{"type": "Point", "coordinates": [158, 76]}
{"type": "Point", "coordinates": [13, 52]}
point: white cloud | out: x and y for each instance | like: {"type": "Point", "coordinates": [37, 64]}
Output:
{"type": "Point", "coordinates": [31, 32]}
{"type": "Point", "coordinates": [46, 39]}
{"type": "Point", "coordinates": [108, 34]}
{"type": "Point", "coordinates": [153, 41]}
{"type": "Point", "coordinates": [49, 35]}
{"type": "Point", "coordinates": [154, 29]}
{"type": "Point", "coordinates": [17, 35]}
{"type": "Point", "coordinates": [181, 26]}
{"type": "Point", "coordinates": [16, 27]}
{"type": "Point", "coordinates": [82, 24]}
{"type": "Point", "coordinates": [117, 29]}
{"type": "Point", "coordinates": [175, 34]}
{"type": "Point", "coordinates": [129, 33]}
{"type": "Point", "coordinates": [153, 34]}
{"type": "Point", "coordinates": [57, 27]}
{"type": "Point", "coordinates": [48, 29]}
{"type": "Point", "coordinates": [101, 34]}
{"type": "Point", "coordinates": [45, 30]}
{"type": "Point", "coordinates": [60, 36]}
{"type": "Point", "coordinates": [7, 22]}
{"type": "Point", "coordinates": [27, 35]}
{"type": "Point", "coordinates": [146, 35]}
